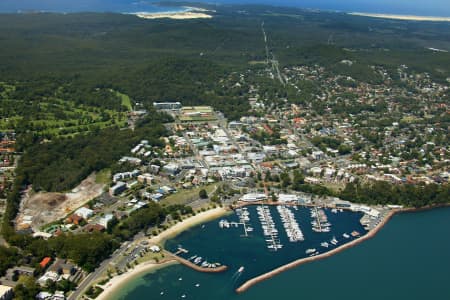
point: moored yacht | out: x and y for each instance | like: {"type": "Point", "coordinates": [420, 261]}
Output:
{"type": "Point", "coordinates": [334, 241]}
{"type": "Point", "coordinates": [324, 244]}
{"type": "Point", "coordinates": [310, 251]}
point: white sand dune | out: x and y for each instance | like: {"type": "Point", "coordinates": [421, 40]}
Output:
{"type": "Point", "coordinates": [403, 17]}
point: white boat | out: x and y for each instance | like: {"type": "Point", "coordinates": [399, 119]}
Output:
{"type": "Point", "coordinates": [192, 257]}
{"type": "Point", "coordinates": [334, 241]}
{"type": "Point", "coordinates": [324, 244]}
{"type": "Point", "coordinates": [346, 235]}
{"type": "Point", "coordinates": [180, 279]}
{"type": "Point", "coordinates": [162, 293]}
{"type": "Point", "coordinates": [241, 269]}
{"type": "Point", "coordinates": [197, 260]}
{"type": "Point", "coordinates": [314, 254]}
{"type": "Point", "coordinates": [310, 251]}
{"type": "Point", "coordinates": [197, 285]}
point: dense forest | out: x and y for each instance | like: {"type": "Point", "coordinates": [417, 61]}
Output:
{"type": "Point", "coordinates": [63, 163]}
{"type": "Point", "coordinates": [408, 195]}
{"type": "Point", "coordinates": [96, 49]}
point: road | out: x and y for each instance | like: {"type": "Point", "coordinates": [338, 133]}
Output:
{"type": "Point", "coordinates": [270, 57]}
{"type": "Point", "coordinates": [265, 42]}
{"type": "Point", "coordinates": [89, 280]}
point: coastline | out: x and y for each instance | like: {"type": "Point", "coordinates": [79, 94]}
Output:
{"type": "Point", "coordinates": [117, 282]}
{"type": "Point", "coordinates": [188, 13]}
{"type": "Point", "coordinates": [402, 17]}
{"type": "Point", "coordinates": [178, 228]}
{"type": "Point", "coordinates": [251, 282]}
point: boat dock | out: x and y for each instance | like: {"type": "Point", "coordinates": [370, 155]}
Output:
{"type": "Point", "coordinates": [244, 217]}
{"type": "Point", "coordinates": [269, 228]}
{"type": "Point", "coordinates": [318, 219]}
{"type": "Point", "coordinates": [290, 224]}
{"type": "Point", "coordinates": [181, 250]}
{"type": "Point", "coordinates": [191, 265]}
{"type": "Point", "coordinates": [320, 223]}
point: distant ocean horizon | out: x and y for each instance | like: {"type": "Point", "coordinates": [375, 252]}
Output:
{"type": "Point", "coordinates": [437, 8]}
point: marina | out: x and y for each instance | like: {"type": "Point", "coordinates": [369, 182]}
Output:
{"type": "Point", "coordinates": [259, 238]}
{"type": "Point", "coordinates": [354, 261]}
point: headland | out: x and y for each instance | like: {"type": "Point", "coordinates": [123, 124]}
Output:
{"type": "Point", "coordinates": [403, 17]}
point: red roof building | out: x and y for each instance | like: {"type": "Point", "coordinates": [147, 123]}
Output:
{"type": "Point", "coordinates": [45, 261]}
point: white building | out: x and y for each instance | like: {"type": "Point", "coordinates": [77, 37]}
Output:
{"type": "Point", "coordinates": [284, 198]}
{"type": "Point", "coordinates": [84, 212]}
{"type": "Point", "coordinates": [50, 275]}
{"type": "Point", "coordinates": [6, 292]}
{"type": "Point", "coordinates": [105, 220]}
{"type": "Point", "coordinates": [253, 197]}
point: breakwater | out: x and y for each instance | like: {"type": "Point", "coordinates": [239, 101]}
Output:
{"type": "Point", "coordinates": [195, 267]}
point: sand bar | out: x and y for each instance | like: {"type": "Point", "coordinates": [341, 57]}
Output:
{"type": "Point", "coordinates": [175, 15]}
{"type": "Point", "coordinates": [188, 13]}
{"type": "Point", "coordinates": [403, 17]}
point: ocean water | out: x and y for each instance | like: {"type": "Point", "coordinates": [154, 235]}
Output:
{"type": "Point", "coordinates": [408, 259]}
{"type": "Point", "coordinates": [71, 6]}
{"type": "Point", "coordinates": [416, 7]}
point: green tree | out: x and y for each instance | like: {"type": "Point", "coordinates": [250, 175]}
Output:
{"type": "Point", "coordinates": [203, 194]}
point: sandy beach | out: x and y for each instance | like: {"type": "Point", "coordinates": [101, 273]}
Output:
{"type": "Point", "coordinates": [119, 281]}
{"type": "Point", "coordinates": [175, 15]}
{"type": "Point", "coordinates": [403, 17]}
{"type": "Point", "coordinates": [188, 223]}
{"type": "Point", "coordinates": [189, 13]}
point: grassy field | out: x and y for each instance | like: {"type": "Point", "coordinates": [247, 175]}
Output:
{"type": "Point", "coordinates": [126, 101]}
{"type": "Point", "coordinates": [336, 187]}
{"type": "Point", "coordinates": [53, 117]}
{"type": "Point", "coordinates": [104, 176]}
{"type": "Point", "coordinates": [187, 196]}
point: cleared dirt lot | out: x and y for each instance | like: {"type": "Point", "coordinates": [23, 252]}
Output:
{"type": "Point", "coordinates": [38, 209]}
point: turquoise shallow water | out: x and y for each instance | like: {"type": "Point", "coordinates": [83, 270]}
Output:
{"type": "Point", "coordinates": [408, 259]}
